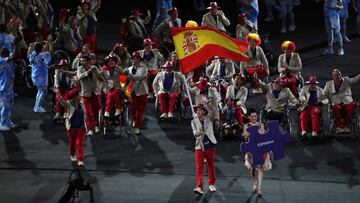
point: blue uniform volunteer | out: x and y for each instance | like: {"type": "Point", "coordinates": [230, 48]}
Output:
{"type": "Point", "coordinates": [332, 10]}
{"type": "Point", "coordinates": [39, 74]}
{"type": "Point", "coordinates": [7, 76]}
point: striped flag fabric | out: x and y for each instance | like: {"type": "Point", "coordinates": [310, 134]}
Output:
{"type": "Point", "coordinates": [196, 45]}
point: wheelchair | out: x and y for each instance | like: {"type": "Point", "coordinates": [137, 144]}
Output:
{"type": "Point", "coordinates": [322, 133]}
{"type": "Point", "coordinates": [354, 123]}
{"type": "Point", "coordinates": [229, 128]}
{"type": "Point", "coordinates": [178, 113]}
{"type": "Point", "coordinates": [116, 126]}
{"type": "Point", "coordinates": [285, 121]}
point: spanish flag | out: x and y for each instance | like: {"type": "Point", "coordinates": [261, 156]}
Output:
{"type": "Point", "coordinates": [195, 45]}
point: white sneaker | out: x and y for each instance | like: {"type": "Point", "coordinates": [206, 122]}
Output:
{"type": "Point", "coordinates": [164, 115]}
{"type": "Point", "coordinates": [97, 129]}
{"type": "Point", "coordinates": [347, 130]}
{"type": "Point", "coordinates": [340, 52]}
{"type": "Point", "coordinates": [80, 163]}
{"type": "Point", "coordinates": [254, 187]}
{"type": "Point", "coordinates": [303, 133]}
{"type": "Point", "coordinates": [4, 128]}
{"type": "Point", "coordinates": [170, 115]}
{"type": "Point", "coordinates": [136, 131]}
{"type": "Point", "coordinates": [314, 133]}
{"type": "Point", "coordinates": [73, 158]}
{"type": "Point", "coordinates": [328, 51]}
{"type": "Point", "coordinates": [292, 28]}
{"type": "Point", "coordinates": [212, 188]}
{"type": "Point", "coordinates": [283, 30]}
{"type": "Point", "coordinates": [40, 110]}
{"type": "Point", "coordinates": [90, 132]}
{"type": "Point", "coordinates": [13, 125]}
{"type": "Point", "coordinates": [57, 116]}
{"type": "Point", "coordinates": [198, 190]}
{"type": "Point", "coordinates": [339, 130]}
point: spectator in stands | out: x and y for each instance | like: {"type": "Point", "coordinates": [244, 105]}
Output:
{"type": "Point", "coordinates": [29, 16]}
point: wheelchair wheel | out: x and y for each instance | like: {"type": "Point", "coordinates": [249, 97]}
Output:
{"type": "Point", "coordinates": [128, 119]}
{"type": "Point", "coordinates": [19, 66]}
{"type": "Point", "coordinates": [355, 123]}
{"type": "Point", "coordinates": [58, 55]}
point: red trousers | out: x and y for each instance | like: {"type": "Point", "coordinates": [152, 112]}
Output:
{"type": "Point", "coordinates": [168, 102]}
{"type": "Point", "coordinates": [150, 79]}
{"type": "Point", "coordinates": [138, 106]}
{"type": "Point", "coordinates": [343, 121]}
{"type": "Point", "coordinates": [290, 82]}
{"type": "Point", "coordinates": [76, 138]}
{"type": "Point", "coordinates": [261, 72]}
{"type": "Point", "coordinates": [113, 100]}
{"type": "Point", "coordinates": [209, 155]}
{"type": "Point", "coordinates": [59, 108]}
{"type": "Point", "coordinates": [239, 115]}
{"type": "Point", "coordinates": [310, 113]}
{"type": "Point", "coordinates": [91, 41]}
{"type": "Point", "coordinates": [92, 108]}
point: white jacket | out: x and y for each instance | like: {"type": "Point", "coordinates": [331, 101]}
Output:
{"type": "Point", "coordinates": [304, 96]}
{"type": "Point", "coordinates": [208, 129]}
{"type": "Point", "coordinates": [295, 64]}
{"type": "Point", "coordinates": [218, 23]}
{"type": "Point", "coordinates": [344, 95]}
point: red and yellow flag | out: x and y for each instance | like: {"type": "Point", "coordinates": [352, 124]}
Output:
{"type": "Point", "coordinates": [195, 45]}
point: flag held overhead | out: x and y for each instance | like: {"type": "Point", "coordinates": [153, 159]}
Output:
{"type": "Point", "coordinates": [195, 45]}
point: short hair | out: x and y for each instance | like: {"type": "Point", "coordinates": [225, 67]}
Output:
{"type": "Point", "coordinates": [252, 110]}
{"type": "Point", "coordinates": [86, 56]}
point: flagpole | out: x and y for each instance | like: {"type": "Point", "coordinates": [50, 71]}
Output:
{"type": "Point", "coordinates": [188, 93]}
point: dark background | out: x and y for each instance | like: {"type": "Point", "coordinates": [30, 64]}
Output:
{"type": "Point", "coordinates": [112, 11]}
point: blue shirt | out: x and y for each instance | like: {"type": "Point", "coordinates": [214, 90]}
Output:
{"type": "Point", "coordinates": [206, 141]}
{"type": "Point", "coordinates": [148, 56]}
{"type": "Point", "coordinates": [313, 97]}
{"type": "Point", "coordinates": [77, 119]}
{"type": "Point", "coordinates": [222, 70]}
{"type": "Point", "coordinates": [329, 8]}
{"type": "Point", "coordinates": [168, 81]}
{"type": "Point", "coordinates": [7, 75]}
{"type": "Point", "coordinates": [276, 93]}
{"type": "Point", "coordinates": [39, 67]}
{"type": "Point", "coordinates": [90, 30]}
{"type": "Point", "coordinates": [6, 41]}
